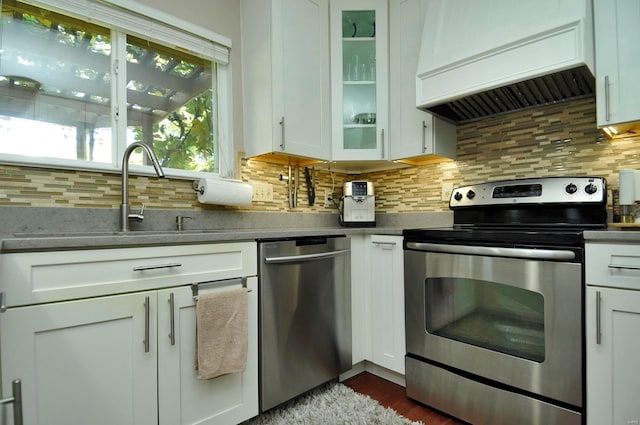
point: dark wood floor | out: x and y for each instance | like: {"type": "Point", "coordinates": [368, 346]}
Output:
{"type": "Point", "coordinates": [392, 395]}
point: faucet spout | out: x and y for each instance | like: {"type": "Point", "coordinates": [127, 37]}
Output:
{"type": "Point", "coordinates": [124, 207]}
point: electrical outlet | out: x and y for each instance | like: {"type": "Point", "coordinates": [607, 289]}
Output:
{"type": "Point", "coordinates": [257, 191]}
{"type": "Point", "coordinates": [268, 192]}
{"type": "Point", "coordinates": [328, 203]}
{"type": "Point", "coordinates": [447, 188]}
{"type": "Point", "coordinates": [262, 192]}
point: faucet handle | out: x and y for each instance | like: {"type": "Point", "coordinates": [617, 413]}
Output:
{"type": "Point", "coordinates": [180, 221]}
{"type": "Point", "coordinates": [139, 216]}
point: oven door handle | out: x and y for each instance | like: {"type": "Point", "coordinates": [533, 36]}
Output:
{"type": "Point", "coordinates": [492, 251]}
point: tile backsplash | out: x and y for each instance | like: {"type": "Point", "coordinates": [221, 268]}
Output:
{"type": "Point", "coordinates": [555, 140]}
{"type": "Point", "coordinates": [559, 139]}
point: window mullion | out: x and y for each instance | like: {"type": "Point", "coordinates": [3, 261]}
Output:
{"type": "Point", "coordinates": [119, 95]}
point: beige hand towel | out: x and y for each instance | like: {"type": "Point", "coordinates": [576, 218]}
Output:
{"type": "Point", "coordinates": [221, 333]}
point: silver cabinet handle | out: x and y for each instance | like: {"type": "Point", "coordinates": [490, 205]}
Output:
{"type": "Point", "coordinates": [598, 317]}
{"type": "Point", "coordinates": [424, 136]}
{"type": "Point", "coordinates": [282, 128]}
{"type": "Point", "coordinates": [146, 324]}
{"type": "Point", "coordinates": [157, 266]}
{"type": "Point", "coordinates": [172, 316]}
{"type": "Point", "coordinates": [607, 113]}
{"type": "Point", "coordinates": [382, 141]}
{"type": "Point", "coordinates": [16, 399]}
{"type": "Point", "coordinates": [3, 303]}
{"type": "Point", "coordinates": [623, 267]}
{"type": "Point", "coordinates": [384, 245]}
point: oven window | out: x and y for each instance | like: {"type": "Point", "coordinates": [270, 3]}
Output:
{"type": "Point", "coordinates": [487, 314]}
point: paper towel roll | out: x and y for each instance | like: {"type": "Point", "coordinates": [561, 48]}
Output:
{"type": "Point", "coordinates": [224, 192]}
{"type": "Point", "coordinates": [627, 187]}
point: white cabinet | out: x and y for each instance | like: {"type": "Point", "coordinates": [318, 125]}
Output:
{"type": "Point", "coordinates": [182, 397]}
{"type": "Point", "coordinates": [618, 61]}
{"type": "Point", "coordinates": [285, 75]}
{"type": "Point", "coordinates": [126, 358]}
{"type": "Point", "coordinates": [377, 279]}
{"type": "Point", "coordinates": [412, 132]}
{"type": "Point", "coordinates": [360, 299]}
{"type": "Point", "coordinates": [613, 380]}
{"type": "Point", "coordinates": [387, 302]}
{"type": "Point", "coordinates": [82, 361]}
{"type": "Point", "coordinates": [359, 75]}
{"type": "Point", "coordinates": [612, 323]}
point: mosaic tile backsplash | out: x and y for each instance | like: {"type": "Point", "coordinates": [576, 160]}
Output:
{"type": "Point", "coordinates": [554, 140]}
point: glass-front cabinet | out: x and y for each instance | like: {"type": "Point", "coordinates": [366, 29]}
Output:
{"type": "Point", "coordinates": [359, 71]}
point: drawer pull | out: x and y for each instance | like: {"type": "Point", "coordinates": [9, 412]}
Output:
{"type": "Point", "coordinates": [623, 267]}
{"type": "Point", "coordinates": [157, 266]}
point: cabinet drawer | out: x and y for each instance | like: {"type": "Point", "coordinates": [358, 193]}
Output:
{"type": "Point", "coordinates": [616, 265]}
{"type": "Point", "coordinates": [37, 277]}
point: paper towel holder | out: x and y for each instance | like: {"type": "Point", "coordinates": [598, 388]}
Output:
{"type": "Point", "coordinates": [197, 188]}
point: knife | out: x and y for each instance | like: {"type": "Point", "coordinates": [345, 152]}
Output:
{"type": "Point", "coordinates": [310, 189]}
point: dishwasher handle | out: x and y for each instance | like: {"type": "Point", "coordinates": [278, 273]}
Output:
{"type": "Point", "coordinates": [306, 257]}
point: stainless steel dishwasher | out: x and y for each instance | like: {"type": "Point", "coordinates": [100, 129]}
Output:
{"type": "Point", "coordinates": [305, 315]}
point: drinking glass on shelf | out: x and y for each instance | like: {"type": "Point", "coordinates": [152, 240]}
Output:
{"type": "Point", "coordinates": [362, 71]}
{"type": "Point", "coordinates": [356, 71]}
{"type": "Point", "coordinates": [371, 71]}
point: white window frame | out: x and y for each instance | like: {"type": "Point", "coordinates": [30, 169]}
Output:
{"type": "Point", "coordinates": [130, 17]}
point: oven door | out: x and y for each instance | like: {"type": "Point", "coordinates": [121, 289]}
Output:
{"type": "Point", "coordinates": [513, 316]}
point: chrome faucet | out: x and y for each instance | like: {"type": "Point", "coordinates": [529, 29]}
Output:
{"type": "Point", "coordinates": [125, 216]}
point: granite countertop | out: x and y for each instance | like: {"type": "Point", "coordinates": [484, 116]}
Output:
{"type": "Point", "coordinates": [26, 242]}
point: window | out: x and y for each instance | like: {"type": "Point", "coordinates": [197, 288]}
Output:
{"type": "Point", "coordinates": [75, 91]}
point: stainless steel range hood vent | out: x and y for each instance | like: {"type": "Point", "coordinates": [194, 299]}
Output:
{"type": "Point", "coordinates": [560, 86]}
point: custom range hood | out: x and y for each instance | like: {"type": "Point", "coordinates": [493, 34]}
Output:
{"type": "Point", "coordinates": [481, 58]}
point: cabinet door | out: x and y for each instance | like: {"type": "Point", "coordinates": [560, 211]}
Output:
{"type": "Point", "coordinates": [360, 88]}
{"type": "Point", "coordinates": [360, 298]}
{"type": "Point", "coordinates": [613, 377]}
{"type": "Point", "coordinates": [301, 77]}
{"type": "Point", "coordinates": [618, 61]}
{"type": "Point", "coordinates": [412, 132]}
{"type": "Point", "coordinates": [285, 74]}
{"type": "Point", "coordinates": [83, 362]}
{"type": "Point", "coordinates": [387, 302]}
{"type": "Point", "coordinates": [185, 399]}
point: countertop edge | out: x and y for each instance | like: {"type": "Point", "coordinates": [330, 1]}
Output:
{"type": "Point", "coordinates": [64, 242]}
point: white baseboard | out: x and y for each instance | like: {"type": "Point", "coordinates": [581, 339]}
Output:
{"type": "Point", "coordinates": [366, 366]}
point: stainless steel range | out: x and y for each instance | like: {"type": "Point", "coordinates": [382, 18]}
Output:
{"type": "Point", "coordinates": [494, 305]}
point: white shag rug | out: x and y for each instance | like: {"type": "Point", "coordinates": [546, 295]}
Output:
{"type": "Point", "coordinates": [331, 404]}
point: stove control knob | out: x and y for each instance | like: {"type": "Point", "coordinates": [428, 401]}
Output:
{"type": "Point", "coordinates": [591, 188]}
{"type": "Point", "coordinates": [471, 194]}
{"type": "Point", "coordinates": [457, 196]}
{"type": "Point", "coordinates": [571, 188]}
